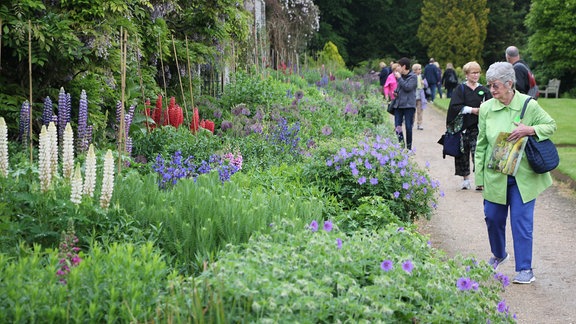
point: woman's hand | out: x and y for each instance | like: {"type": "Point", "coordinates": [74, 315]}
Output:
{"type": "Point", "coordinates": [521, 131]}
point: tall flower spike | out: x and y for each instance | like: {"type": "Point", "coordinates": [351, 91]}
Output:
{"type": "Point", "coordinates": [107, 180]}
{"type": "Point", "coordinates": [25, 121]}
{"type": "Point", "coordinates": [76, 192]}
{"type": "Point", "coordinates": [53, 135]}
{"type": "Point", "coordinates": [90, 172]}
{"type": "Point", "coordinates": [3, 148]}
{"type": "Point", "coordinates": [61, 114]}
{"type": "Point", "coordinates": [47, 112]}
{"type": "Point", "coordinates": [82, 122]}
{"type": "Point", "coordinates": [44, 151]}
{"type": "Point", "coordinates": [68, 152]}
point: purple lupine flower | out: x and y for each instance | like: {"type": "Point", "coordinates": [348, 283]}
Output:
{"type": "Point", "coordinates": [226, 125]}
{"type": "Point", "coordinates": [25, 121]}
{"type": "Point", "coordinates": [217, 114]}
{"type": "Point", "coordinates": [63, 114]}
{"type": "Point", "coordinates": [47, 112]}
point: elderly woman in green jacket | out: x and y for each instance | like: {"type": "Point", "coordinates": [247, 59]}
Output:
{"type": "Point", "coordinates": [504, 192]}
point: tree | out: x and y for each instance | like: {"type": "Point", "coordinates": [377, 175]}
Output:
{"type": "Point", "coordinates": [454, 30]}
{"type": "Point", "coordinates": [505, 28]}
{"type": "Point", "coordinates": [553, 40]}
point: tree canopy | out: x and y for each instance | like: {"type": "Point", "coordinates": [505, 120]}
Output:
{"type": "Point", "coordinates": [454, 30]}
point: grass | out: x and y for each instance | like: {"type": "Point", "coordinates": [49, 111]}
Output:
{"type": "Point", "coordinates": [563, 111]}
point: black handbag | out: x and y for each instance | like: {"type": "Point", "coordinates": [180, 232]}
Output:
{"type": "Point", "coordinates": [393, 104]}
{"type": "Point", "coordinates": [452, 138]}
{"type": "Point", "coordinates": [541, 155]}
{"type": "Point", "coordinates": [452, 143]}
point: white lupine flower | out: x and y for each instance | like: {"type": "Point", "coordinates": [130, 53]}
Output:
{"type": "Point", "coordinates": [68, 152]}
{"type": "Point", "coordinates": [90, 172]}
{"type": "Point", "coordinates": [76, 192]}
{"type": "Point", "coordinates": [3, 148]}
{"type": "Point", "coordinates": [44, 149]}
{"type": "Point", "coordinates": [107, 180]}
{"type": "Point", "coordinates": [53, 135]}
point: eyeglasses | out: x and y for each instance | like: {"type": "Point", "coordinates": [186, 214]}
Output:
{"type": "Point", "coordinates": [495, 85]}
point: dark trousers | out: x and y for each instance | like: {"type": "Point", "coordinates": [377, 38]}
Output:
{"type": "Point", "coordinates": [401, 115]}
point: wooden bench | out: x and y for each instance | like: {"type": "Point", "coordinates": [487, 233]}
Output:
{"type": "Point", "coordinates": [552, 88]}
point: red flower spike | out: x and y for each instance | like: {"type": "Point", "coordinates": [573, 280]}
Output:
{"type": "Point", "coordinates": [157, 113]}
{"type": "Point", "coordinates": [195, 121]}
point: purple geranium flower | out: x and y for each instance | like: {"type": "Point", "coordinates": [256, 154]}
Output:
{"type": "Point", "coordinates": [327, 226]}
{"type": "Point", "coordinates": [339, 243]}
{"type": "Point", "coordinates": [386, 265]}
{"type": "Point", "coordinates": [408, 266]}
{"type": "Point", "coordinates": [314, 226]}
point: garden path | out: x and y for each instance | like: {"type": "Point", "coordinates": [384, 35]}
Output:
{"type": "Point", "coordinates": [458, 228]}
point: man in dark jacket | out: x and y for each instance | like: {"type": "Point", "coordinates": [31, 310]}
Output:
{"type": "Point", "coordinates": [520, 68]}
{"type": "Point", "coordinates": [431, 74]}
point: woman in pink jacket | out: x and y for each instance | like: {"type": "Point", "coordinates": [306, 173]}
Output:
{"type": "Point", "coordinates": [391, 84]}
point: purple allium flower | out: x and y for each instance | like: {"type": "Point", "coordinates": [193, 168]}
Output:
{"type": "Point", "coordinates": [464, 284]}
{"type": "Point", "coordinates": [386, 265]}
{"type": "Point", "coordinates": [339, 243]}
{"type": "Point", "coordinates": [314, 226]}
{"type": "Point", "coordinates": [408, 266]}
{"type": "Point", "coordinates": [328, 226]}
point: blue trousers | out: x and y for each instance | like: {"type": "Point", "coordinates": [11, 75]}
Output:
{"type": "Point", "coordinates": [521, 222]}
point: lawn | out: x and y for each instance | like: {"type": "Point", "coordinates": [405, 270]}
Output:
{"type": "Point", "coordinates": [564, 112]}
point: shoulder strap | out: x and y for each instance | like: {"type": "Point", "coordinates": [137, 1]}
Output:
{"type": "Point", "coordinates": [524, 108]}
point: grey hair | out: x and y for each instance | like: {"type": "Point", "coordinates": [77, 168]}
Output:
{"type": "Point", "coordinates": [502, 71]}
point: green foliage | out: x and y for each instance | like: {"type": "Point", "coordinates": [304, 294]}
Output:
{"type": "Point", "coordinates": [306, 277]}
{"type": "Point", "coordinates": [505, 27]}
{"type": "Point", "coordinates": [454, 30]}
{"type": "Point", "coordinates": [552, 40]}
{"type": "Point", "coordinates": [121, 282]}
{"type": "Point", "coordinates": [196, 219]}
{"type": "Point", "coordinates": [330, 57]}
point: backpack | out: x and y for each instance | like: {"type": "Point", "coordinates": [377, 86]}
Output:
{"type": "Point", "coordinates": [452, 79]}
{"type": "Point", "coordinates": [533, 91]}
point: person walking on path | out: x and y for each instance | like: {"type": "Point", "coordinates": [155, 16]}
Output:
{"type": "Point", "coordinates": [407, 83]}
{"type": "Point", "coordinates": [503, 192]}
{"type": "Point", "coordinates": [464, 107]}
{"type": "Point", "coordinates": [383, 75]}
{"type": "Point", "coordinates": [449, 79]}
{"type": "Point", "coordinates": [420, 95]}
{"type": "Point", "coordinates": [391, 84]}
{"type": "Point", "coordinates": [431, 74]}
{"type": "Point", "coordinates": [520, 68]}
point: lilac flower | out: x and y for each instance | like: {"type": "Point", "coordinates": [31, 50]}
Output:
{"type": "Point", "coordinates": [314, 226]}
{"type": "Point", "coordinates": [339, 243]}
{"type": "Point", "coordinates": [386, 265]}
{"type": "Point", "coordinates": [408, 266]}
{"type": "Point", "coordinates": [328, 226]}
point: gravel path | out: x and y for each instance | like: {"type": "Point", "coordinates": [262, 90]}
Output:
{"type": "Point", "coordinates": [458, 228]}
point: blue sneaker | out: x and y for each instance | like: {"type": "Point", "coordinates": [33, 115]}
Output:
{"type": "Point", "coordinates": [496, 262]}
{"type": "Point", "coordinates": [524, 277]}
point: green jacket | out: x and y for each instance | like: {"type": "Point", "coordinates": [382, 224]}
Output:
{"type": "Point", "coordinates": [494, 118]}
